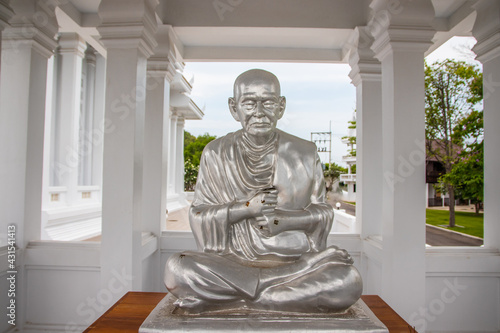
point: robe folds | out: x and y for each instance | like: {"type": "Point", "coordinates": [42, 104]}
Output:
{"type": "Point", "coordinates": [231, 170]}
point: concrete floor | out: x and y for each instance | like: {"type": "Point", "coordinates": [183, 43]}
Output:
{"type": "Point", "coordinates": [178, 220]}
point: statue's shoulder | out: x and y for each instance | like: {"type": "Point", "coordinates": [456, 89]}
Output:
{"type": "Point", "coordinates": [296, 143]}
{"type": "Point", "coordinates": [215, 146]}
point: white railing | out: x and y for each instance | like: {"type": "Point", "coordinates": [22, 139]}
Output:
{"type": "Point", "coordinates": [348, 178]}
{"type": "Point", "coordinates": [349, 158]}
{"type": "Point", "coordinates": [343, 222]}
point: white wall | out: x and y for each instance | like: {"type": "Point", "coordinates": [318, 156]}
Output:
{"type": "Point", "coordinates": [371, 265]}
{"type": "Point", "coordinates": [462, 290]}
{"type": "Point", "coordinates": [4, 287]}
{"type": "Point", "coordinates": [63, 286]}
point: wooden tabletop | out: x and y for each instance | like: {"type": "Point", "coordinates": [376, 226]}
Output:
{"type": "Point", "coordinates": [131, 310]}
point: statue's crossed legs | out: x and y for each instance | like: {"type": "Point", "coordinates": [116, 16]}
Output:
{"type": "Point", "coordinates": [316, 282]}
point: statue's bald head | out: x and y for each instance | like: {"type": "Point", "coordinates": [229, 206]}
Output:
{"type": "Point", "coordinates": [257, 103]}
{"type": "Point", "coordinates": [255, 76]}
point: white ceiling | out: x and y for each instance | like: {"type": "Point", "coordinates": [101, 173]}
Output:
{"type": "Point", "coordinates": [274, 30]}
{"type": "Point", "coordinates": [86, 6]}
{"type": "Point", "coordinates": [182, 12]}
{"type": "Point", "coordinates": [444, 8]}
{"type": "Point", "coordinates": [262, 37]}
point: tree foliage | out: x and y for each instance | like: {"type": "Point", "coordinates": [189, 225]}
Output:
{"type": "Point", "coordinates": [453, 91]}
{"type": "Point", "coordinates": [351, 140]}
{"type": "Point", "coordinates": [193, 147]}
{"type": "Point", "coordinates": [190, 175]}
{"type": "Point", "coordinates": [332, 173]}
{"type": "Point", "coordinates": [467, 174]}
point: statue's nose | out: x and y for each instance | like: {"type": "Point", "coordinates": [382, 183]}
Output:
{"type": "Point", "coordinates": [259, 110]}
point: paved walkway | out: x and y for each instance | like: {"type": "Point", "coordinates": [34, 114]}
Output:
{"type": "Point", "coordinates": [349, 208]}
{"type": "Point", "coordinates": [461, 208]}
{"type": "Point", "coordinates": [436, 236]}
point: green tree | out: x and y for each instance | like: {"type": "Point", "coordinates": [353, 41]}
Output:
{"type": "Point", "coordinates": [332, 173]}
{"type": "Point", "coordinates": [193, 147]}
{"type": "Point", "coordinates": [452, 92]}
{"type": "Point", "coordinates": [467, 174]}
{"type": "Point", "coordinates": [188, 139]}
{"type": "Point", "coordinates": [190, 175]}
{"type": "Point", "coordinates": [351, 140]}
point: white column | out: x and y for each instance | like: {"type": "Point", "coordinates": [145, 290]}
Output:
{"type": "Point", "coordinates": [87, 119]}
{"type": "Point", "coordinates": [400, 46]}
{"type": "Point", "coordinates": [48, 149]}
{"type": "Point", "coordinates": [68, 107]}
{"type": "Point", "coordinates": [26, 49]}
{"type": "Point", "coordinates": [6, 13]}
{"type": "Point", "coordinates": [129, 42]}
{"type": "Point", "coordinates": [487, 32]}
{"type": "Point", "coordinates": [172, 154]}
{"type": "Point", "coordinates": [179, 159]}
{"type": "Point", "coordinates": [366, 77]}
{"type": "Point", "coordinates": [99, 125]}
{"type": "Point", "coordinates": [53, 119]}
{"type": "Point", "coordinates": [156, 141]}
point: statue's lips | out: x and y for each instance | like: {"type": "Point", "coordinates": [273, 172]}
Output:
{"type": "Point", "coordinates": [260, 125]}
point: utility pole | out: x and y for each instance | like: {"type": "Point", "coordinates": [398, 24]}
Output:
{"type": "Point", "coordinates": [323, 141]}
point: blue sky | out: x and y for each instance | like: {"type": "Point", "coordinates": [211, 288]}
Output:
{"type": "Point", "coordinates": [316, 94]}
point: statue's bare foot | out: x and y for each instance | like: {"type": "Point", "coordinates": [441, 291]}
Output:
{"type": "Point", "coordinates": [331, 254]}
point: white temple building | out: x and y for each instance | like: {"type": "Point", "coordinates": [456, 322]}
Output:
{"type": "Point", "coordinates": [75, 126]}
{"type": "Point", "coordinates": [350, 159]}
{"type": "Point", "coordinates": [92, 106]}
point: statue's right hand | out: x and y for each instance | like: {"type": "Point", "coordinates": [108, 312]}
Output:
{"type": "Point", "coordinates": [263, 203]}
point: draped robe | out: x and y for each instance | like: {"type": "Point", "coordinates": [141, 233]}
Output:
{"type": "Point", "coordinates": [231, 256]}
{"type": "Point", "coordinates": [226, 177]}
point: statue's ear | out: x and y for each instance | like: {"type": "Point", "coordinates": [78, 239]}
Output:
{"type": "Point", "coordinates": [281, 107]}
{"type": "Point", "coordinates": [232, 107]}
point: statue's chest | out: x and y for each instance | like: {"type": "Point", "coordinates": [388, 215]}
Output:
{"type": "Point", "coordinates": [294, 181]}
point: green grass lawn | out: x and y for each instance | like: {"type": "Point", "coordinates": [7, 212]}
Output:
{"type": "Point", "coordinates": [472, 223]}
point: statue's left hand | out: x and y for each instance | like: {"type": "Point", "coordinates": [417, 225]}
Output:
{"type": "Point", "coordinates": [270, 225]}
{"type": "Point", "coordinates": [284, 220]}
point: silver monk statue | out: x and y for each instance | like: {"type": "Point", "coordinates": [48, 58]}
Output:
{"type": "Point", "coordinates": [260, 219]}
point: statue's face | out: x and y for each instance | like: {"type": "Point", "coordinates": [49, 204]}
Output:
{"type": "Point", "coordinates": [258, 106]}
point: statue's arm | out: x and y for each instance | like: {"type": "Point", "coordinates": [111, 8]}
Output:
{"type": "Point", "coordinates": [307, 220]}
{"type": "Point", "coordinates": [286, 220]}
{"type": "Point", "coordinates": [320, 209]}
{"type": "Point", "coordinates": [211, 222]}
